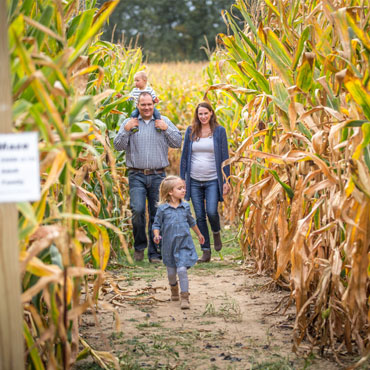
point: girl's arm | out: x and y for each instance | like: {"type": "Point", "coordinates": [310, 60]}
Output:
{"type": "Point", "coordinates": [193, 224]}
{"type": "Point", "coordinates": [199, 234]}
{"type": "Point", "coordinates": [157, 226]}
{"type": "Point", "coordinates": [156, 237]}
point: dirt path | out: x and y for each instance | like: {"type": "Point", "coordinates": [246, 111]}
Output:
{"type": "Point", "coordinates": [229, 325]}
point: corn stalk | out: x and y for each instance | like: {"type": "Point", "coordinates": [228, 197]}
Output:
{"type": "Point", "coordinates": [64, 84]}
{"type": "Point", "coordinates": [297, 79]}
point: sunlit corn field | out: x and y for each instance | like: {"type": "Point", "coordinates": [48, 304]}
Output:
{"type": "Point", "coordinates": [292, 89]}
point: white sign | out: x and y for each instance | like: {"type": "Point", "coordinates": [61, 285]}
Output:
{"type": "Point", "coordinates": [19, 167]}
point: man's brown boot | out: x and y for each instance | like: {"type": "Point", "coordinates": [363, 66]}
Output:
{"type": "Point", "coordinates": [206, 257]}
{"type": "Point", "coordinates": [185, 304]}
{"type": "Point", "coordinates": [175, 292]}
{"type": "Point", "coordinates": [217, 241]}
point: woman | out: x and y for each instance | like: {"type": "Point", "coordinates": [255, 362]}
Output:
{"type": "Point", "coordinates": [205, 148]}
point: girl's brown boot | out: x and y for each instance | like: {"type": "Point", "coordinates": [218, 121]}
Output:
{"type": "Point", "coordinates": [185, 304]}
{"type": "Point", "coordinates": [175, 292]}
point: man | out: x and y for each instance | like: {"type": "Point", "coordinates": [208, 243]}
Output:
{"type": "Point", "coordinates": [146, 159]}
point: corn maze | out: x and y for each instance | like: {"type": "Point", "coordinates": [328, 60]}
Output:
{"type": "Point", "coordinates": [292, 89]}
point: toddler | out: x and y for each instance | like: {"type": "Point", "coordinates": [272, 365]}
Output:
{"type": "Point", "coordinates": [174, 220]}
{"type": "Point", "coordinates": [141, 80]}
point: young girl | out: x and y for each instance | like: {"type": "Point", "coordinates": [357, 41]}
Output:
{"type": "Point", "coordinates": [173, 220]}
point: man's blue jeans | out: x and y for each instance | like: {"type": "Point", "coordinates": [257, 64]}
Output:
{"type": "Point", "coordinates": [143, 187]}
{"type": "Point", "coordinates": [204, 196]}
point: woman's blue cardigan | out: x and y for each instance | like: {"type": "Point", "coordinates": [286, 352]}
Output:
{"type": "Point", "coordinates": [221, 154]}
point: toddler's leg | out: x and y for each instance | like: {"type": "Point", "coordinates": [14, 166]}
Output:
{"type": "Point", "coordinates": [156, 114]}
{"type": "Point", "coordinates": [171, 273]}
{"type": "Point", "coordinates": [135, 113]}
{"type": "Point", "coordinates": [182, 272]}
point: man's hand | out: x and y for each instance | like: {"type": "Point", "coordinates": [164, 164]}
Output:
{"type": "Point", "coordinates": [159, 123]}
{"type": "Point", "coordinates": [133, 122]}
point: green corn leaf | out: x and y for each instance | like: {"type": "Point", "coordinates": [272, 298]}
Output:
{"type": "Point", "coordinates": [358, 93]}
{"type": "Point", "coordinates": [33, 349]}
{"type": "Point", "coordinates": [278, 48]}
{"type": "Point", "coordinates": [77, 108]}
{"type": "Point", "coordinates": [285, 186]}
{"type": "Point", "coordinates": [258, 77]}
{"type": "Point", "coordinates": [304, 130]}
{"type": "Point", "coordinates": [12, 6]}
{"type": "Point", "coordinates": [45, 20]}
{"type": "Point", "coordinates": [103, 14]}
{"type": "Point", "coordinates": [280, 94]}
{"type": "Point", "coordinates": [360, 33]}
{"type": "Point", "coordinates": [367, 156]}
{"type": "Point", "coordinates": [28, 212]}
{"type": "Point", "coordinates": [273, 8]}
{"type": "Point", "coordinates": [242, 7]}
{"type": "Point", "coordinates": [356, 122]}
{"type": "Point", "coordinates": [304, 37]}
{"type": "Point", "coordinates": [27, 6]}
{"type": "Point", "coordinates": [239, 33]}
{"type": "Point", "coordinates": [83, 26]}
{"type": "Point", "coordinates": [305, 75]}
{"type": "Point", "coordinates": [56, 257]}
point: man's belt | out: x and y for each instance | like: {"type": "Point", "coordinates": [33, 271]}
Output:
{"type": "Point", "coordinates": [148, 171]}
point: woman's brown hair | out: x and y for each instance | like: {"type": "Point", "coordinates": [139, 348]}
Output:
{"type": "Point", "coordinates": [196, 125]}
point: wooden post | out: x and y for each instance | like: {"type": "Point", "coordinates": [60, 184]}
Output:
{"type": "Point", "coordinates": [11, 327]}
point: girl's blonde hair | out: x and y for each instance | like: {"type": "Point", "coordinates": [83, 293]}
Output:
{"type": "Point", "coordinates": [167, 185]}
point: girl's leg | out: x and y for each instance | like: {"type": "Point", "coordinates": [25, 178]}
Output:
{"type": "Point", "coordinates": [135, 113]}
{"type": "Point", "coordinates": [171, 273]}
{"type": "Point", "coordinates": [182, 272]}
{"type": "Point", "coordinates": [156, 114]}
{"type": "Point", "coordinates": [184, 285]}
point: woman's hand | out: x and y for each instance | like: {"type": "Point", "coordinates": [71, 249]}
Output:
{"type": "Point", "coordinates": [226, 188]}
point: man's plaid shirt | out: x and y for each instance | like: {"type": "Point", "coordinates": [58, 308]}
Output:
{"type": "Point", "coordinates": [147, 148]}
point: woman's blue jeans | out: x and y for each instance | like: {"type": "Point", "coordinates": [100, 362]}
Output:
{"type": "Point", "coordinates": [204, 196]}
{"type": "Point", "coordinates": [143, 187]}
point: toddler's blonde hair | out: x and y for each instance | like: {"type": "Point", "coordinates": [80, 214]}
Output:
{"type": "Point", "coordinates": [167, 185]}
{"type": "Point", "coordinates": [141, 74]}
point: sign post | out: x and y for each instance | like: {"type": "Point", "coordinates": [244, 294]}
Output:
{"type": "Point", "coordinates": [11, 328]}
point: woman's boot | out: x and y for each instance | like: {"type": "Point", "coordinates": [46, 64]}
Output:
{"type": "Point", "coordinates": [217, 241]}
{"type": "Point", "coordinates": [206, 257]}
{"type": "Point", "coordinates": [175, 292]}
{"type": "Point", "coordinates": [185, 304]}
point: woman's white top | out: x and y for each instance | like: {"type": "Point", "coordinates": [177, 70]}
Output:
{"type": "Point", "coordinates": [203, 162]}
